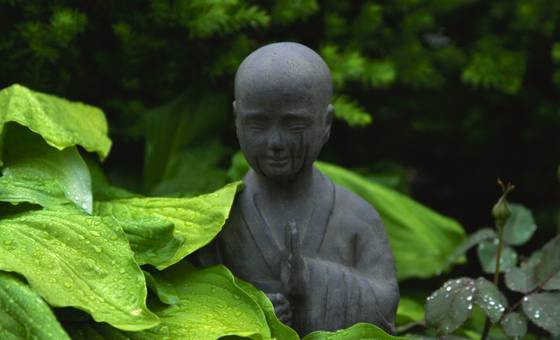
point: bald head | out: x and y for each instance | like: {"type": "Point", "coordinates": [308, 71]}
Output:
{"type": "Point", "coordinates": [285, 70]}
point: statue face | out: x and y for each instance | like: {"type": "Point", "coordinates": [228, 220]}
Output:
{"type": "Point", "coordinates": [280, 134]}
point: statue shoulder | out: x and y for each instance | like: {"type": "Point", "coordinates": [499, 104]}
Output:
{"type": "Point", "coordinates": [354, 208]}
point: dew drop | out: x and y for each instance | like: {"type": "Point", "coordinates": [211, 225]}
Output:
{"type": "Point", "coordinates": [448, 289]}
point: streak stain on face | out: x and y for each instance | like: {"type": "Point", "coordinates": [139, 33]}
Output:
{"type": "Point", "coordinates": [281, 132]}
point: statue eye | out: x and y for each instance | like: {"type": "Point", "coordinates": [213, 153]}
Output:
{"type": "Point", "coordinates": [256, 126]}
{"type": "Point", "coordinates": [297, 127]}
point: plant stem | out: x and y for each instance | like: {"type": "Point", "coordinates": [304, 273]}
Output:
{"type": "Point", "coordinates": [487, 323]}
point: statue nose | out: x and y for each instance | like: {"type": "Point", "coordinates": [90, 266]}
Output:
{"type": "Point", "coordinates": [275, 141]}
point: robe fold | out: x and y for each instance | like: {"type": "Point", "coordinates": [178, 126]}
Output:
{"type": "Point", "coordinates": [349, 271]}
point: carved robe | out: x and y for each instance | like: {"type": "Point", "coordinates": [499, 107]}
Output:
{"type": "Point", "coordinates": [350, 271]}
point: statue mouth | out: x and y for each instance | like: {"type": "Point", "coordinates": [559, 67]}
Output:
{"type": "Point", "coordinates": [277, 162]}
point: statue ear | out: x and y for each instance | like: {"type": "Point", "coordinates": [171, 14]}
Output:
{"type": "Point", "coordinates": [329, 115]}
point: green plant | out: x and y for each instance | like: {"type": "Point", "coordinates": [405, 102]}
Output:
{"type": "Point", "coordinates": [537, 279]}
{"type": "Point", "coordinates": [77, 255]}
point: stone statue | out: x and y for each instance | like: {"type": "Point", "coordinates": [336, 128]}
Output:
{"type": "Point", "coordinates": [318, 251]}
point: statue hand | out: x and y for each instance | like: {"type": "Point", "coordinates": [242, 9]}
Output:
{"type": "Point", "coordinates": [293, 267]}
{"type": "Point", "coordinates": [282, 307]}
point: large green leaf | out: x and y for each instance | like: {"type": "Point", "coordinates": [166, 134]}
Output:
{"type": "Point", "coordinates": [206, 303]}
{"type": "Point", "coordinates": [37, 173]}
{"type": "Point", "coordinates": [75, 260]}
{"type": "Point", "coordinates": [490, 299]}
{"type": "Point", "coordinates": [520, 226]}
{"type": "Point", "coordinates": [364, 331]}
{"type": "Point", "coordinates": [544, 310]}
{"type": "Point", "coordinates": [420, 238]}
{"type": "Point", "coordinates": [197, 220]}
{"type": "Point", "coordinates": [151, 238]}
{"type": "Point", "coordinates": [409, 310]}
{"type": "Point", "coordinates": [60, 122]}
{"type": "Point", "coordinates": [277, 329]}
{"type": "Point", "coordinates": [169, 128]}
{"type": "Point", "coordinates": [23, 314]}
{"type": "Point", "coordinates": [451, 305]}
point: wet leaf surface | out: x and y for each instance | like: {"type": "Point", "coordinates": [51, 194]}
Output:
{"type": "Point", "coordinates": [490, 299]}
{"type": "Point", "coordinates": [515, 325]}
{"type": "Point", "coordinates": [364, 331]}
{"type": "Point", "coordinates": [23, 314]}
{"type": "Point", "coordinates": [197, 220]}
{"type": "Point", "coordinates": [60, 122]}
{"type": "Point", "coordinates": [450, 306]}
{"type": "Point", "coordinates": [544, 310]}
{"type": "Point", "coordinates": [486, 252]}
{"type": "Point", "coordinates": [548, 269]}
{"type": "Point", "coordinates": [523, 278]}
{"type": "Point", "coordinates": [75, 260]}
{"type": "Point", "coordinates": [37, 173]}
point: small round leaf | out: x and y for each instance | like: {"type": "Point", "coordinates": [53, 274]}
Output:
{"type": "Point", "coordinates": [451, 305]}
{"type": "Point", "coordinates": [515, 325]}
{"type": "Point", "coordinates": [520, 226]}
{"type": "Point", "coordinates": [490, 299]}
{"type": "Point", "coordinates": [544, 310]}
{"type": "Point", "coordinates": [487, 256]}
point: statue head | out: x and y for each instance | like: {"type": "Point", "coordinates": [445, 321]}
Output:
{"type": "Point", "coordinates": [283, 110]}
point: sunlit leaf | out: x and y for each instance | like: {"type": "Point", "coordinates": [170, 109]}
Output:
{"type": "Point", "coordinates": [544, 310]}
{"type": "Point", "coordinates": [409, 311]}
{"type": "Point", "coordinates": [37, 173]}
{"type": "Point", "coordinates": [451, 305]}
{"type": "Point", "coordinates": [487, 253]}
{"type": "Point", "coordinates": [23, 314]}
{"type": "Point", "coordinates": [277, 329]}
{"type": "Point", "coordinates": [520, 226]}
{"type": "Point", "coordinates": [75, 260]}
{"type": "Point", "coordinates": [357, 331]}
{"type": "Point", "coordinates": [490, 299]}
{"type": "Point", "coordinates": [515, 325]}
{"type": "Point", "coordinates": [60, 122]}
{"type": "Point", "coordinates": [197, 220]}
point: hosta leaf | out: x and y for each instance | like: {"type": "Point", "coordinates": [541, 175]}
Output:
{"type": "Point", "coordinates": [37, 173]}
{"type": "Point", "coordinates": [409, 311]}
{"type": "Point", "coordinates": [202, 304]}
{"type": "Point", "coordinates": [151, 238]}
{"type": "Point", "coordinates": [544, 310]}
{"type": "Point", "coordinates": [520, 226]}
{"type": "Point", "coordinates": [211, 305]}
{"type": "Point", "coordinates": [357, 331]}
{"type": "Point", "coordinates": [450, 306]}
{"type": "Point", "coordinates": [60, 122]}
{"type": "Point", "coordinates": [277, 329]}
{"type": "Point", "coordinates": [487, 252]}
{"type": "Point", "coordinates": [75, 260]}
{"type": "Point", "coordinates": [490, 299]}
{"type": "Point", "coordinates": [23, 314]}
{"type": "Point", "coordinates": [471, 241]}
{"type": "Point", "coordinates": [548, 269]}
{"type": "Point", "coordinates": [421, 239]}
{"type": "Point", "coordinates": [515, 325]}
{"type": "Point", "coordinates": [171, 127]}
{"type": "Point", "coordinates": [197, 220]}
